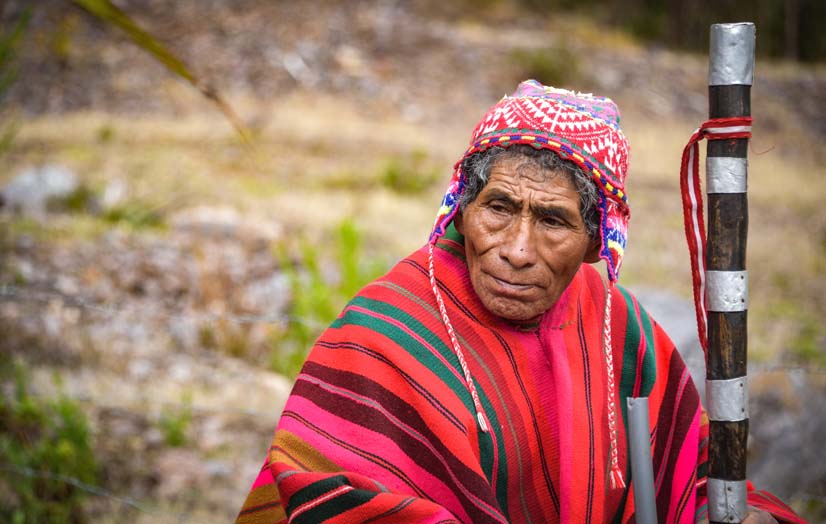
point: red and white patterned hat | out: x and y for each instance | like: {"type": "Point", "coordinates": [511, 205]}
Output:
{"type": "Point", "coordinates": [579, 127]}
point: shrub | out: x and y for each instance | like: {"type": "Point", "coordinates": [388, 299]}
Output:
{"type": "Point", "coordinates": [175, 423]}
{"type": "Point", "coordinates": [137, 214]}
{"type": "Point", "coordinates": [317, 298]}
{"type": "Point", "coordinates": [10, 38]}
{"type": "Point", "coordinates": [409, 174]}
{"type": "Point", "coordinates": [45, 445]}
{"type": "Point", "coordinates": [553, 67]}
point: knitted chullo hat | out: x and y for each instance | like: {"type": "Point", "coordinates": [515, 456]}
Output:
{"type": "Point", "coordinates": [578, 127]}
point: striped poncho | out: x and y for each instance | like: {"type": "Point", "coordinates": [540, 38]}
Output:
{"type": "Point", "coordinates": [380, 426]}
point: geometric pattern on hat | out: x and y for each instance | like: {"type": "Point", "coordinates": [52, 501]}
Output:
{"type": "Point", "coordinates": [579, 127]}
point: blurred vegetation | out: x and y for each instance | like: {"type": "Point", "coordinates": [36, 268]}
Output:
{"type": "Point", "coordinates": [135, 214]}
{"type": "Point", "coordinates": [84, 204]}
{"type": "Point", "coordinates": [409, 174]}
{"type": "Point", "coordinates": [320, 288]}
{"type": "Point", "coordinates": [175, 423]}
{"type": "Point", "coordinates": [44, 442]}
{"type": "Point", "coordinates": [9, 41]}
{"type": "Point", "coordinates": [113, 16]}
{"type": "Point", "coordinates": [324, 275]}
{"type": "Point", "coordinates": [786, 28]}
{"type": "Point", "coordinates": [554, 67]}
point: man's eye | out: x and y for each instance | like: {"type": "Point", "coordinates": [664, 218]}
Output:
{"type": "Point", "coordinates": [552, 222]}
{"type": "Point", "coordinates": [499, 207]}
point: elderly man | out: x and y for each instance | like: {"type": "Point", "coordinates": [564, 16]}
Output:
{"type": "Point", "coordinates": [484, 378]}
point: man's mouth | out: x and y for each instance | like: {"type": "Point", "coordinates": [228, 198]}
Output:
{"type": "Point", "coordinates": [515, 286]}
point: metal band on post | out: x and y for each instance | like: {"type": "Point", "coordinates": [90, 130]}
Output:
{"type": "Point", "coordinates": [726, 175]}
{"type": "Point", "coordinates": [731, 73]}
{"type": "Point", "coordinates": [731, 54]}
{"type": "Point", "coordinates": [727, 400]}
{"type": "Point", "coordinates": [727, 290]}
{"type": "Point", "coordinates": [727, 500]}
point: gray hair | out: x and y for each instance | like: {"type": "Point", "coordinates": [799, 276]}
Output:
{"type": "Point", "coordinates": [477, 167]}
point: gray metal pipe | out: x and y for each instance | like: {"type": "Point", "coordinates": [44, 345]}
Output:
{"type": "Point", "coordinates": [642, 467]}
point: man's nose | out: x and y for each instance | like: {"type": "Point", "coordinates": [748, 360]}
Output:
{"type": "Point", "coordinates": [519, 246]}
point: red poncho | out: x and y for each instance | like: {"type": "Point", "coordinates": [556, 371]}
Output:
{"type": "Point", "coordinates": [380, 426]}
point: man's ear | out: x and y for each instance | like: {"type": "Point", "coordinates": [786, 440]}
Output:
{"type": "Point", "coordinates": [459, 222]}
{"type": "Point", "coordinates": [592, 254]}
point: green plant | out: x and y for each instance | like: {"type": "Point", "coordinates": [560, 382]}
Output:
{"type": "Point", "coordinates": [317, 298]}
{"type": "Point", "coordinates": [136, 214]}
{"type": "Point", "coordinates": [9, 41]}
{"type": "Point", "coordinates": [112, 15]}
{"type": "Point", "coordinates": [649, 24]}
{"type": "Point", "coordinates": [807, 344]}
{"type": "Point", "coordinates": [46, 451]}
{"type": "Point", "coordinates": [555, 66]}
{"type": "Point", "coordinates": [62, 40]}
{"type": "Point", "coordinates": [408, 174]}
{"type": "Point", "coordinates": [80, 200]}
{"type": "Point", "coordinates": [105, 134]}
{"type": "Point", "coordinates": [175, 423]}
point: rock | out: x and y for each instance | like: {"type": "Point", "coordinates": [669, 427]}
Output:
{"type": "Point", "coordinates": [676, 316]}
{"type": "Point", "coordinates": [215, 221]}
{"type": "Point", "coordinates": [268, 297]}
{"type": "Point", "coordinates": [215, 468]}
{"type": "Point", "coordinates": [114, 195]}
{"type": "Point", "coordinates": [787, 425]}
{"type": "Point", "coordinates": [787, 409]}
{"type": "Point", "coordinates": [32, 192]}
{"type": "Point", "coordinates": [223, 222]}
{"type": "Point", "coordinates": [351, 60]}
{"type": "Point", "coordinates": [180, 470]}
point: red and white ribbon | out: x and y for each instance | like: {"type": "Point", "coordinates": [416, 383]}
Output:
{"type": "Point", "coordinates": [695, 231]}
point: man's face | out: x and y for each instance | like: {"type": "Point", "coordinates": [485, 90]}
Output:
{"type": "Point", "coordinates": [524, 238]}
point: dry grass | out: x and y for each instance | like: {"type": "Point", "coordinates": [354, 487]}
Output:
{"type": "Point", "coordinates": [288, 173]}
{"type": "Point", "coordinates": [318, 158]}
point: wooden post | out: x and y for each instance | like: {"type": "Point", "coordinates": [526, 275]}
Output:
{"type": "Point", "coordinates": [731, 67]}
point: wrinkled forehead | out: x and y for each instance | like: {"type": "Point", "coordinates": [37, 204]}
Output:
{"type": "Point", "coordinates": [520, 166]}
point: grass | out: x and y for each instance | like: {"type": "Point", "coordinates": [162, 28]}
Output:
{"type": "Point", "coordinates": [175, 423]}
{"type": "Point", "coordinates": [409, 174]}
{"type": "Point", "coordinates": [39, 435]}
{"type": "Point", "coordinates": [57, 229]}
{"type": "Point", "coordinates": [787, 232]}
{"type": "Point", "coordinates": [318, 294]}
{"type": "Point", "coordinates": [556, 66]}
{"type": "Point", "coordinates": [387, 174]}
{"type": "Point", "coordinates": [393, 188]}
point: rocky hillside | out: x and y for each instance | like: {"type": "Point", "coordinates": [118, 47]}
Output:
{"type": "Point", "coordinates": [147, 253]}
